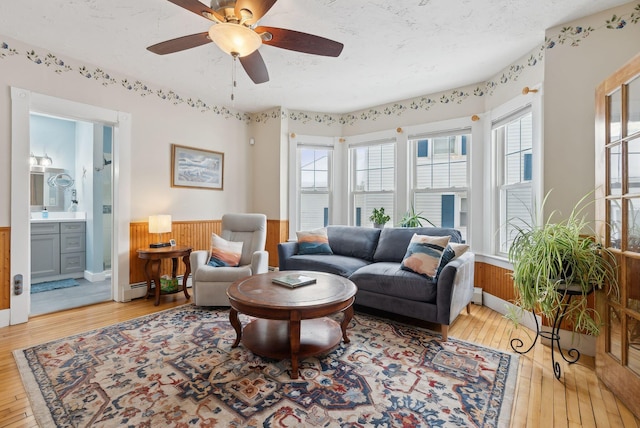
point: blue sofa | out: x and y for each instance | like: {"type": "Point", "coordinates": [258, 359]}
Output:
{"type": "Point", "coordinates": [371, 258]}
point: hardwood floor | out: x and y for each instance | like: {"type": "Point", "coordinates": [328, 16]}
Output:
{"type": "Point", "coordinates": [579, 399]}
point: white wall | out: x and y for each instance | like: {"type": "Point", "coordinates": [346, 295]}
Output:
{"type": "Point", "coordinates": [570, 79]}
{"type": "Point", "coordinates": [264, 174]}
{"type": "Point", "coordinates": [156, 124]}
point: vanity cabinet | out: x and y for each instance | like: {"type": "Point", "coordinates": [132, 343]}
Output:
{"type": "Point", "coordinates": [45, 249]}
{"type": "Point", "coordinates": [57, 248]}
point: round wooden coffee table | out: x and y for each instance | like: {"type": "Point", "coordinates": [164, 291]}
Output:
{"type": "Point", "coordinates": [291, 323]}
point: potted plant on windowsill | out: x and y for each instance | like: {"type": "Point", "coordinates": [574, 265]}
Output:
{"type": "Point", "coordinates": [553, 260]}
{"type": "Point", "coordinates": [413, 219]}
{"type": "Point", "coordinates": [379, 218]}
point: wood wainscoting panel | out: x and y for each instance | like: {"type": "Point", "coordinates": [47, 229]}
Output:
{"type": "Point", "coordinates": [277, 231]}
{"type": "Point", "coordinates": [497, 281]}
{"type": "Point", "coordinates": [195, 234]}
{"type": "Point", "coordinates": [494, 280]}
{"type": "Point", "coordinates": [5, 267]}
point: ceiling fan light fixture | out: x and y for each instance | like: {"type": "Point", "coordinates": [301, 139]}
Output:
{"type": "Point", "coordinates": [235, 39]}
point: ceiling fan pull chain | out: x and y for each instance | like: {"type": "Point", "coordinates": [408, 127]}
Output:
{"type": "Point", "coordinates": [233, 76]}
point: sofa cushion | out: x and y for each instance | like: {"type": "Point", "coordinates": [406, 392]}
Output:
{"type": "Point", "coordinates": [336, 264]}
{"type": "Point", "coordinates": [359, 242]}
{"type": "Point", "coordinates": [387, 278]}
{"type": "Point", "coordinates": [424, 254]}
{"type": "Point", "coordinates": [451, 252]}
{"type": "Point", "coordinates": [394, 241]}
{"type": "Point", "coordinates": [313, 242]}
{"type": "Point", "coordinates": [224, 253]}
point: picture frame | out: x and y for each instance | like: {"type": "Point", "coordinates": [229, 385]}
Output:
{"type": "Point", "coordinates": [172, 242]}
{"type": "Point", "coordinates": [196, 168]}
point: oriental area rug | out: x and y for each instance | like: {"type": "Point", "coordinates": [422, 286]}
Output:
{"type": "Point", "coordinates": [177, 368]}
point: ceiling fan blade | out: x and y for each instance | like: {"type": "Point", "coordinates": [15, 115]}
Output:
{"type": "Point", "coordinates": [254, 65]}
{"type": "Point", "coordinates": [196, 7]}
{"type": "Point", "coordinates": [300, 42]}
{"type": "Point", "coordinates": [180, 44]}
{"type": "Point", "coordinates": [257, 7]}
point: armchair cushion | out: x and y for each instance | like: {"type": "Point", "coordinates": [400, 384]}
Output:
{"type": "Point", "coordinates": [224, 253]}
{"type": "Point", "coordinates": [222, 274]}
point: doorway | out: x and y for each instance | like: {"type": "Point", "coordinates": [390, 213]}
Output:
{"type": "Point", "coordinates": [23, 104]}
{"type": "Point", "coordinates": [71, 247]}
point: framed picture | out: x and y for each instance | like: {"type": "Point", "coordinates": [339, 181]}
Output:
{"type": "Point", "coordinates": [172, 242]}
{"type": "Point", "coordinates": [197, 168]}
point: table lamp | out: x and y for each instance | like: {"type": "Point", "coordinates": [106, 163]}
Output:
{"type": "Point", "coordinates": [159, 224]}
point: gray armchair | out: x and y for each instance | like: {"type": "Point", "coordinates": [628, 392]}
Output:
{"type": "Point", "coordinates": [210, 283]}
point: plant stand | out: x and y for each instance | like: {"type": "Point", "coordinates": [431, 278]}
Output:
{"type": "Point", "coordinates": [572, 355]}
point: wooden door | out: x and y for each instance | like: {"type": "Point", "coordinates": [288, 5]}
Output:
{"type": "Point", "coordinates": [618, 220]}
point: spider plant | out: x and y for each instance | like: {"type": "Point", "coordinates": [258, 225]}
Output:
{"type": "Point", "coordinates": [551, 256]}
{"type": "Point", "coordinates": [413, 219]}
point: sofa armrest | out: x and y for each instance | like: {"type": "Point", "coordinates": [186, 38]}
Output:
{"type": "Point", "coordinates": [259, 262]}
{"type": "Point", "coordinates": [455, 287]}
{"type": "Point", "coordinates": [285, 251]}
{"type": "Point", "coordinates": [198, 259]}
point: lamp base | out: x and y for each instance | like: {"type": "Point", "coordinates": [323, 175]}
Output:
{"type": "Point", "coordinates": [160, 245]}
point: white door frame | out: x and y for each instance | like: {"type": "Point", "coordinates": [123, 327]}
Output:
{"type": "Point", "coordinates": [24, 102]}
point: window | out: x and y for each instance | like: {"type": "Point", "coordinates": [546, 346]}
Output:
{"type": "Point", "coordinates": [512, 138]}
{"type": "Point", "coordinates": [373, 181]}
{"type": "Point", "coordinates": [440, 184]}
{"type": "Point", "coordinates": [314, 196]}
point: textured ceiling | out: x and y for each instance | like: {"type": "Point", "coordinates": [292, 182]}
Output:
{"type": "Point", "coordinates": [393, 50]}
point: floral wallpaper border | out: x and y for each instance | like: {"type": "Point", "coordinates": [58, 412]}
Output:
{"type": "Point", "coordinates": [60, 66]}
{"type": "Point", "coordinates": [569, 35]}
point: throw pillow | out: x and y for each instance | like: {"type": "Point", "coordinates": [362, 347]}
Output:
{"type": "Point", "coordinates": [224, 253]}
{"type": "Point", "coordinates": [424, 253]}
{"type": "Point", "coordinates": [313, 242]}
{"type": "Point", "coordinates": [453, 251]}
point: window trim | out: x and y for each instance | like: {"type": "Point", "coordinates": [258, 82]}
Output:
{"type": "Point", "coordinates": [501, 115]}
{"type": "Point", "coordinates": [310, 141]}
{"type": "Point", "coordinates": [413, 190]}
{"type": "Point", "coordinates": [301, 191]}
{"type": "Point", "coordinates": [352, 147]}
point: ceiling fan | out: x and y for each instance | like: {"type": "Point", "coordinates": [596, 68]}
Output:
{"type": "Point", "coordinates": [234, 31]}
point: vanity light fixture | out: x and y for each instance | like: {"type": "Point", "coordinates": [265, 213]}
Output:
{"type": "Point", "coordinates": [46, 160]}
{"type": "Point", "coordinates": [33, 160]}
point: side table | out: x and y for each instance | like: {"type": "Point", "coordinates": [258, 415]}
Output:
{"type": "Point", "coordinates": [154, 256]}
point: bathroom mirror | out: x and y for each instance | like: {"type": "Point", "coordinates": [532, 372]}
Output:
{"type": "Point", "coordinates": [45, 195]}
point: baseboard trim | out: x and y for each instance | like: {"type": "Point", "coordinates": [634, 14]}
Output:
{"type": "Point", "coordinates": [139, 289]}
{"type": "Point", "coordinates": [5, 317]}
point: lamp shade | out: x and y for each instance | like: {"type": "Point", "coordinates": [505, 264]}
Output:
{"type": "Point", "coordinates": [159, 223]}
{"type": "Point", "coordinates": [235, 38]}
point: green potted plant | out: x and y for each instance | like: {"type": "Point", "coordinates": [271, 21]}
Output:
{"type": "Point", "coordinates": [552, 257]}
{"type": "Point", "coordinates": [413, 219]}
{"type": "Point", "coordinates": [379, 218]}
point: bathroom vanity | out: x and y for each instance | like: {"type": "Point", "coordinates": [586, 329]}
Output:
{"type": "Point", "coordinates": [58, 248]}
